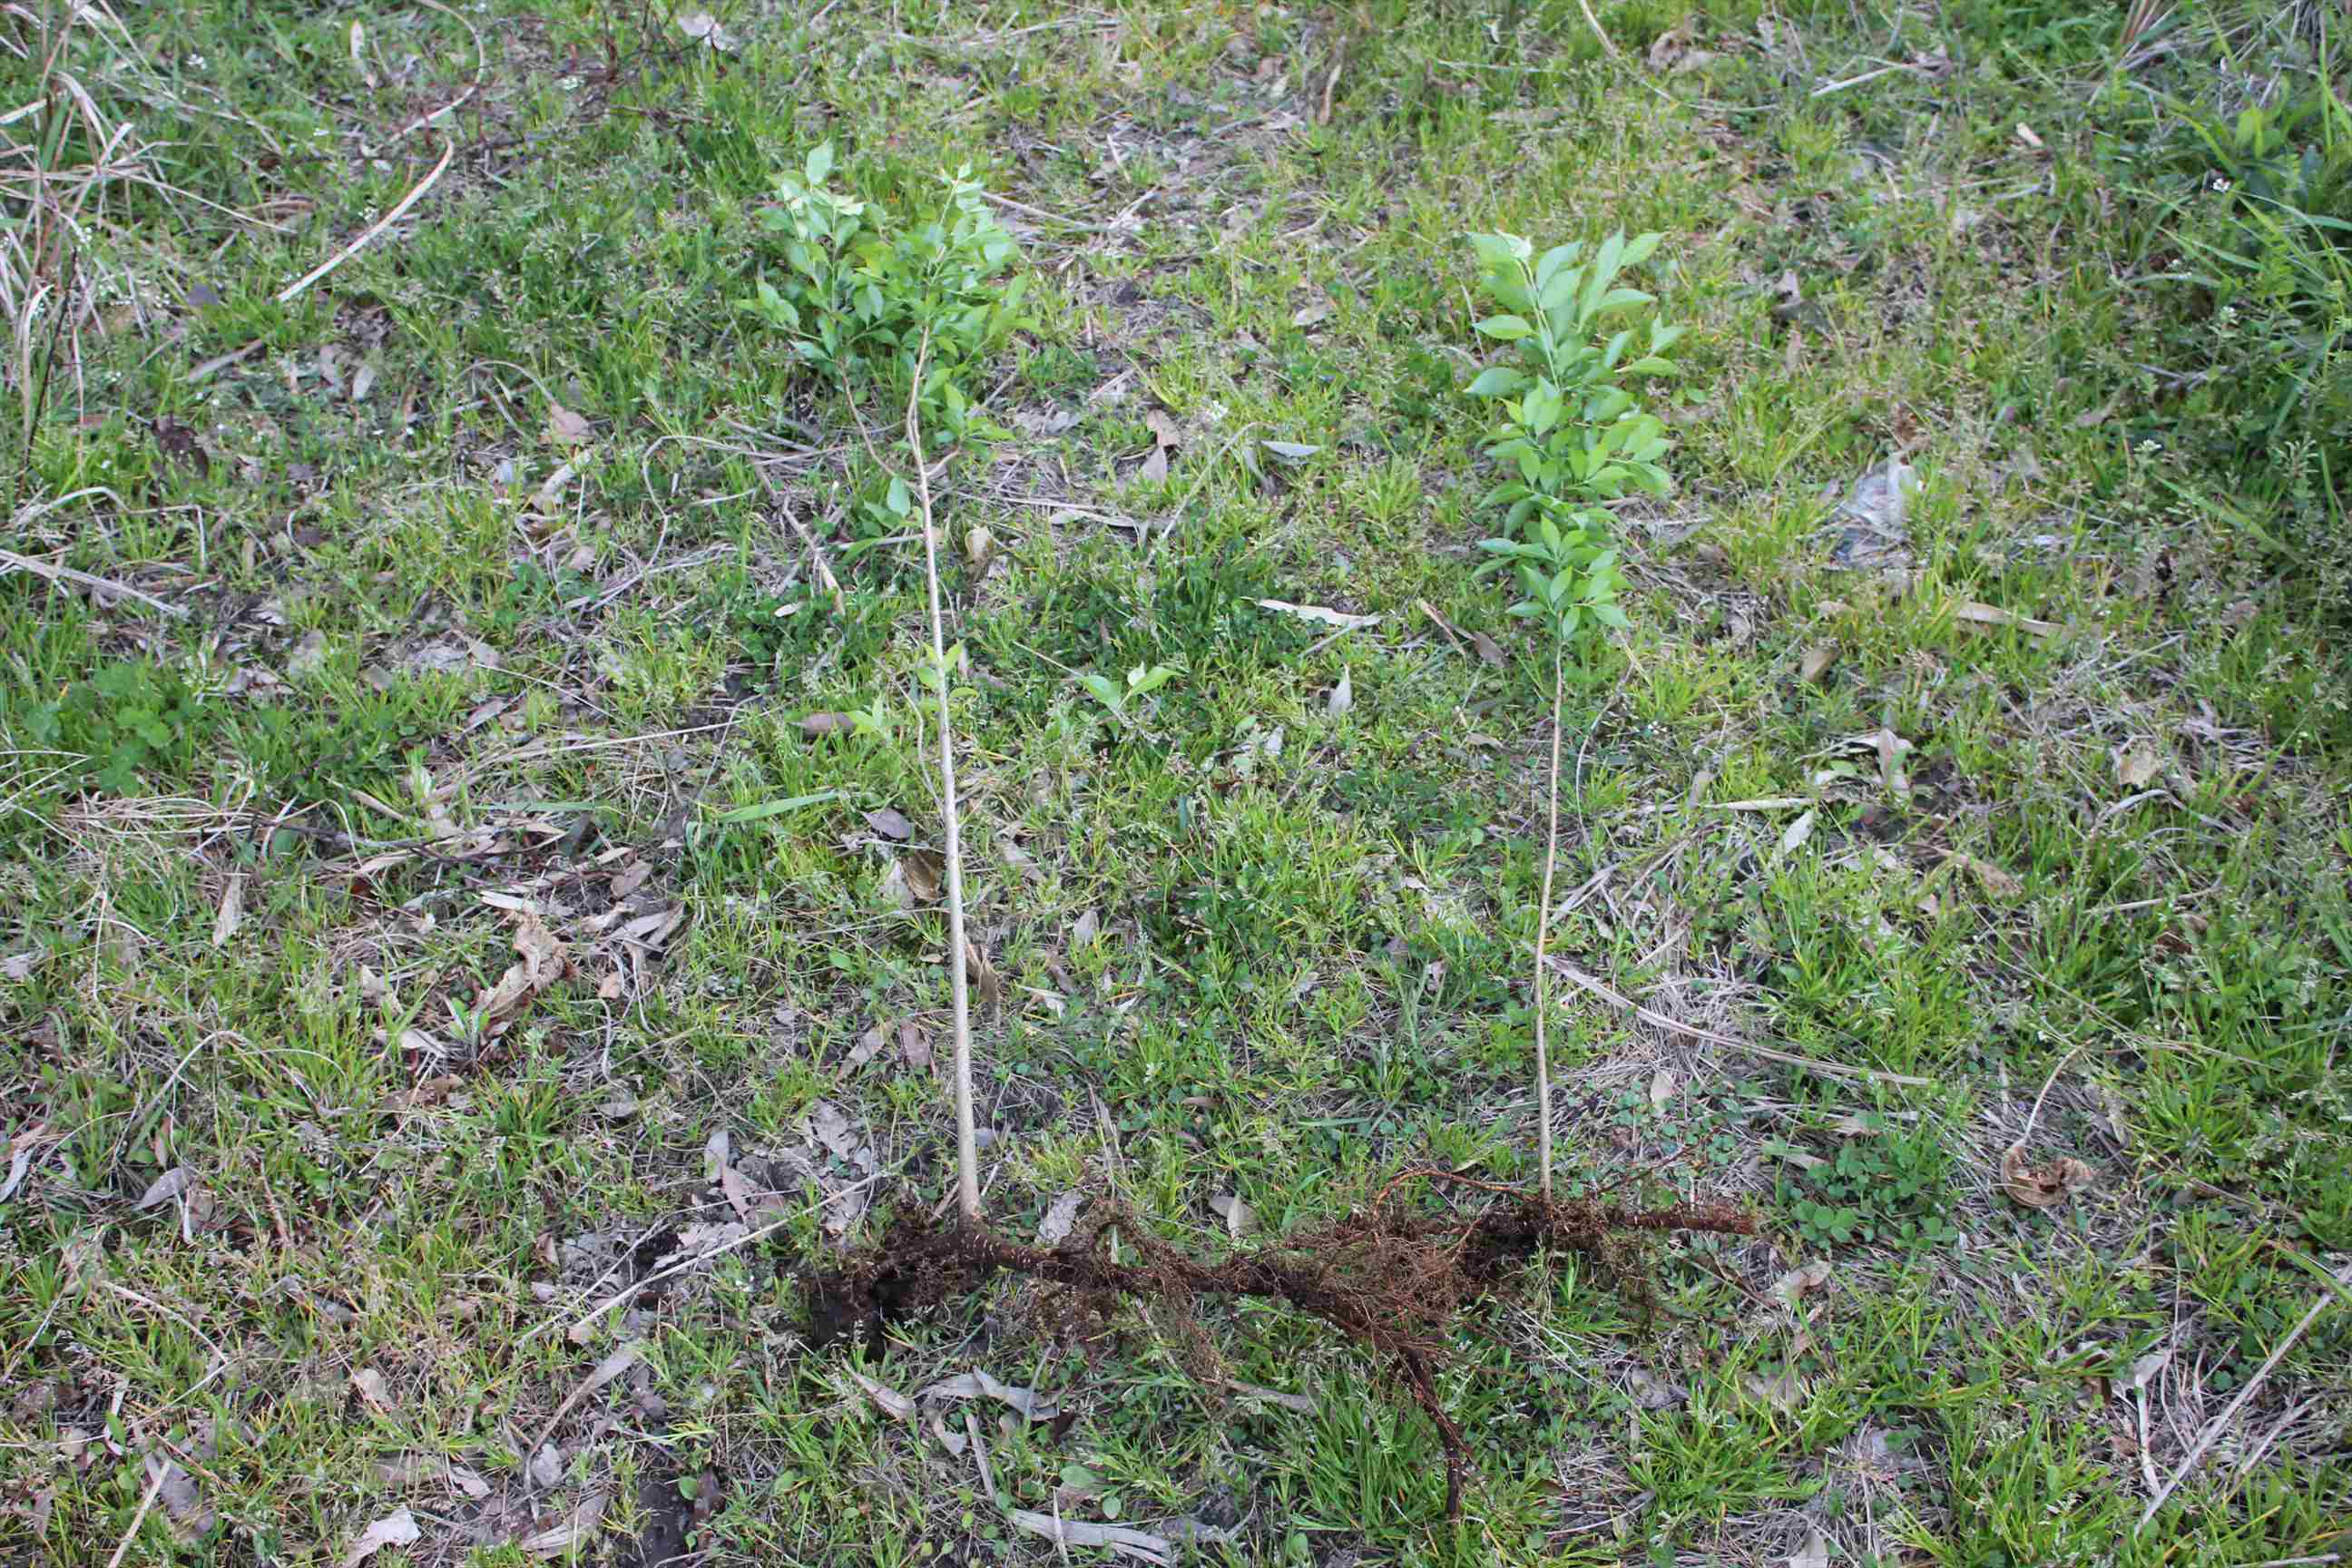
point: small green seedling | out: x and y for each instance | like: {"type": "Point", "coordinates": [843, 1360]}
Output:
{"type": "Point", "coordinates": [1140, 682]}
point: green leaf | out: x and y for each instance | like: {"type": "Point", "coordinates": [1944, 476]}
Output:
{"type": "Point", "coordinates": [1505, 328]}
{"type": "Point", "coordinates": [1638, 249]}
{"type": "Point", "coordinates": [819, 163]}
{"type": "Point", "coordinates": [1498, 381]}
{"type": "Point", "coordinates": [766, 809]}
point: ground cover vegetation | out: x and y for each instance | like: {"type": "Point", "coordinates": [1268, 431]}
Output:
{"type": "Point", "coordinates": [1723, 612]}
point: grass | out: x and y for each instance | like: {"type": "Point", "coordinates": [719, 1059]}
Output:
{"type": "Point", "coordinates": [263, 860]}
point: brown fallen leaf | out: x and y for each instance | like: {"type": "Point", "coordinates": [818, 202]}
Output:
{"type": "Point", "coordinates": [1817, 659]}
{"type": "Point", "coordinates": [814, 725]}
{"type": "Point", "coordinates": [890, 823]}
{"type": "Point", "coordinates": [1155, 467]}
{"type": "Point", "coordinates": [1237, 1214]}
{"type": "Point", "coordinates": [575, 1531]}
{"type": "Point", "coordinates": [915, 1045]}
{"type": "Point", "coordinates": [1488, 649]}
{"type": "Point", "coordinates": [1785, 1390]}
{"type": "Point", "coordinates": [1790, 1287]}
{"type": "Point", "coordinates": [1086, 928]}
{"type": "Point", "coordinates": [2000, 883]}
{"type": "Point", "coordinates": [1342, 697]}
{"type": "Point", "coordinates": [977, 1385]}
{"type": "Point", "coordinates": [565, 428]}
{"type": "Point", "coordinates": [232, 909]}
{"type": "Point", "coordinates": [2043, 1186]}
{"type": "Point", "coordinates": [368, 1383]}
{"type": "Point", "coordinates": [887, 1399]}
{"type": "Point", "coordinates": [926, 871]}
{"type": "Point", "coordinates": [167, 1187]}
{"type": "Point", "coordinates": [539, 963]}
{"type": "Point", "coordinates": [1060, 1217]}
{"type": "Point", "coordinates": [396, 1529]}
{"type": "Point", "coordinates": [1814, 1553]}
{"type": "Point", "coordinates": [1068, 1533]}
{"type": "Point", "coordinates": [1976, 614]}
{"type": "Point", "coordinates": [983, 977]}
{"type": "Point", "coordinates": [2136, 763]}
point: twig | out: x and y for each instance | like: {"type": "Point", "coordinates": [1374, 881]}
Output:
{"type": "Point", "coordinates": [1835, 1070]}
{"type": "Point", "coordinates": [1330, 82]}
{"type": "Point", "coordinates": [959, 982]}
{"type": "Point", "coordinates": [1543, 932]}
{"type": "Point", "coordinates": [2034, 1115]}
{"type": "Point", "coordinates": [481, 69]}
{"type": "Point", "coordinates": [979, 1452]}
{"type": "Point", "coordinates": [1607, 48]}
{"type": "Point", "coordinates": [155, 1486]}
{"type": "Point", "coordinates": [448, 151]}
{"type": "Point", "coordinates": [2336, 1285]}
{"type": "Point", "coordinates": [816, 551]}
{"type": "Point", "coordinates": [11, 561]}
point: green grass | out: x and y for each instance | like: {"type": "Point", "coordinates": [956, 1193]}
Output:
{"type": "Point", "coordinates": [1250, 945]}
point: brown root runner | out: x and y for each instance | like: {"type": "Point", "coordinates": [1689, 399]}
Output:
{"type": "Point", "coordinates": [1392, 1280]}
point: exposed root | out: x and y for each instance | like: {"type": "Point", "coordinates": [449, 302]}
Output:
{"type": "Point", "coordinates": [1389, 1279]}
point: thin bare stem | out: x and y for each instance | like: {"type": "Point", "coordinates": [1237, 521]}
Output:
{"type": "Point", "coordinates": [1543, 928]}
{"type": "Point", "coordinates": [958, 983]}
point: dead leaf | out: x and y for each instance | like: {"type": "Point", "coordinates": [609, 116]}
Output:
{"type": "Point", "coordinates": [2043, 1186]}
{"type": "Point", "coordinates": [575, 1531]}
{"type": "Point", "coordinates": [1891, 748]}
{"type": "Point", "coordinates": [1031, 1405]}
{"type": "Point", "coordinates": [2148, 1368]}
{"type": "Point", "coordinates": [1312, 314]}
{"type": "Point", "coordinates": [1817, 659]}
{"type": "Point", "coordinates": [1975, 614]}
{"type": "Point", "coordinates": [829, 1127]}
{"type": "Point", "coordinates": [1793, 837]}
{"type": "Point", "coordinates": [716, 1154]}
{"type": "Point", "coordinates": [1342, 698]}
{"type": "Point", "coordinates": [1783, 1391]}
{"type": "Point", "coordinates": [1651, 1392]}
{"type": "Point", "coordinates": [308, 658]}
{"type": "Point", "coordinates": [1663, 1084]}
{"type": "Point", "coordinates": [895, 889]}
{"type": "Point", "coordinates": [232, 909]}
{"type": "Point", "coordinates": [1068, 1532]}
{"type": "Point", "coordinates": [540, 964]}
{"type": "Point", "coordinates": [1060, 1217]}
{"type": "Point", "coordinates": [167, 1187]}
{"type": "Point", "coordinates": [890, 823]}
{"type": "Point", "coordinates": [737, 1191]}
{"type": "Point", "coordinates": [983, 976]}
{"type": "Point", "coordinates": [392, 1530]}
{"type": "Point", "coordinates": [1670, 46]}
{"type": "Point", "coordinates": [915, 1045]}
{"type": "Point", "coordinates": [2136, 763]}
{"type": "Point", "coordinates": [1814, 1554]}
{"type": "Point", "coordinates": [368, 1383]}
{"type": "Point", "coordinates": [1319, 613]}
{"type": "Point", "coordinates": [1155, 467]}
{"type": "Point", "coordinates": [926, 872]}
{"type": "Point", "coordinates": [2025, 134]}
{"type": "Point", "coordinates": [1488, 649]}
{"type": "Point", "coordinates": [979, 547]}
{"type": "Point", "coordinates": [1165, 431]}
{"type": "Point", "coordinates": [2000, 883]}
{"type": "Point", "coordinates": [814, 725]}
{"type": "Point", "coordinates": [1303, 1403]}
{"type": "Point", "coordinates": [1236, 1214]}
{"type": "Point", "coordinates": [703, 28]}
{"type": "Point", "coordinates": [1792, 1285]}
{"type": "Point", "coordinates": [2091, 419]}
{"type": "Point", "coordinates": [565, 428]}
{"type": "Point", "coordinates": [1085, 927]}
{"type": "Point", "coordinates": [869, 1046]}
{"type": "Point", "coordinates": [892, 1403]}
